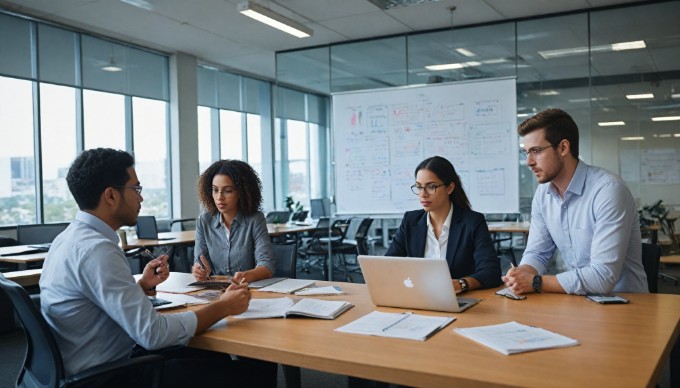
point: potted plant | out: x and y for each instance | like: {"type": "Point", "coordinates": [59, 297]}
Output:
{"type": "Point", "coordinates": [292, 206]}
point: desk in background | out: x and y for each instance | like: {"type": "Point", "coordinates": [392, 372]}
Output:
{"type": "Point", "coordinates": [621, 345]}
{"type": "Point", "coordinates": [12, 255]}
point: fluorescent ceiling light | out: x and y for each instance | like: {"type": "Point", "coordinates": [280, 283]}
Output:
{"type": "Point", "coordinates": [633, 138]}
{"type": "Point", "coordinates": [611, 123]}
{"type": "Point", "coordinates": [522, 115]}
{"type": "Point", "coordinates": [466, 52]}
{"type": "Point", "coordinates": [548, 93]}
{"type": "Point", "coordinates": [676, 135]}
{"type": "Point", "coordinates": [664, 135]}
{"type": "Point", "coordinates": [452, 66]}
{"type": "Point", "coordinates": [273, 19]}
{"type": "Point", "coordinates": [666, 118]}
{"type": "Point", "coordinates": [548, 54]}
{"type": "Point", "coordinates": [674, 96]}
{"type": "Point", "coordinates": [639, 96]}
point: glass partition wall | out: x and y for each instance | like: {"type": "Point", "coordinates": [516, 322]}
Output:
{"type": "Point", "coordinates": [616, 71]}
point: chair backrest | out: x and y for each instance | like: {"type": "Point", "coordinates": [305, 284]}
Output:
{"type": "Point", "coordinates": [43, 365]}
{"type": "Point", "coordinates": [300, 216]}
{"type": "Point", "coordinates": [280, 217]}
{"type": "Point", "coordinates": [181, 224]}
{"type": "Point", "coordinates": [361, 236]}
{"type": "Point", "coordinates": [320, 208]}
{"type": "Point", "coordinates": [39, 233]}
{"type": "Point", "coordinates": [286, 259]}
{"type": "Point", "coordinates": [147, 228]}
{"type": "Point", "coordinates": [651, 254]}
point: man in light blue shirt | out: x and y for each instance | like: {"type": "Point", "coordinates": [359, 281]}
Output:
{"type": "Point", "coordinates": [90, 299]}
{"type": "Point", "coordinates": [585, 212]}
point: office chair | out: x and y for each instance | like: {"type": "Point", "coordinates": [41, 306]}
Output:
{"type": "Point", "coordinates": [318, 246]}
{"type": "Point", "coordinates": [278, 217]}
{"type": "Point", "coordinates": [500, 237]}
{"type": "Point", "coordinates": [286, 259]}
{"type": "Point", "coordinates": [43, 365]}
{"type": "Point", "coordinates": [651, 254]}
{"type": "Point", "coordinates": [39, 233]}
{"type": "Point", "coordinates": [182, 224]}
{"type": "Point", "coordinates": [355, 245]}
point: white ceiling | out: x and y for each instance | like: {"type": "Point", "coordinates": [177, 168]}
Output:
{"type": "Point", "coordinates": [214, 32]}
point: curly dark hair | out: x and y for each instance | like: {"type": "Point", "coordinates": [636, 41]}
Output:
{"type": "Point", "coordinates": [93, 171]}
{"type": "Point", "coordinates": [445, 171]}
{"type": "Point", "coordinates": [247, 183]}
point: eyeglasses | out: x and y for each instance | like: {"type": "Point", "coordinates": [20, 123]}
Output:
{"type": "Point", "coordinates": [430, 189]}
{"type": "Point", "coordinates": [536, 151]}
{"type": "Point", "coordinates": [137, 189]}
{"type": "Point", "coordinates": [219, 193]}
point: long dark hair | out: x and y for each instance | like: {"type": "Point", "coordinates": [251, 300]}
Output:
{"type": "Point", "coordinates": [444, 170]}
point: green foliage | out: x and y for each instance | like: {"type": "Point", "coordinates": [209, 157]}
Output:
{"type": "Point", "coordinates": [293, 206]}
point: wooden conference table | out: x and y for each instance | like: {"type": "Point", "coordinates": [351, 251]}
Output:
{"type": "Point", "coordinates": [13, 254]}
{"type": "Point", "coordinates": [620, 345]}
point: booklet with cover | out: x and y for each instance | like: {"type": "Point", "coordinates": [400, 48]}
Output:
{"type": "Point", "coordinates": [282, 307]}
{"type": "Point", "coordinates": [395, 325]}
{"type": "Point", "coordinates": [512, 337]}
{"type": "Point", "coordinates": [288, 286]}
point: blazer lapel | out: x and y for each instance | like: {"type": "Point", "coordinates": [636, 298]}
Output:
{"type": "Point", "coordinates": [420, 235]}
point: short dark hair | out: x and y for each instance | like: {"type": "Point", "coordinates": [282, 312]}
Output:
{"type": "Point", "coordinates": [444, 170]}
{"type": "Point", "coordinates": [93, 171]}
{"type": "Point", "coordinates": [247, 183]}
{"type": "Point", "coordinates": [558, 126]}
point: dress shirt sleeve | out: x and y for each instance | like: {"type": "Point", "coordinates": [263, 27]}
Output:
{"type": "Point", "coordinates": [540, 245]}
{"type": "Point", "coordinates": [487, 265]}
{"type": "Point", "coordinates": [264, 254]}
{"type": "Point", "coordinates": [614, 211]}
{"type": "Point", "coordinates": [201, 245]}
{"type": "Point", "coordinates": [109, 284]}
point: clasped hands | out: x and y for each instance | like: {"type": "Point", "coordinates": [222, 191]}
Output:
{"type": "Point", "coordinates": [519, 279]}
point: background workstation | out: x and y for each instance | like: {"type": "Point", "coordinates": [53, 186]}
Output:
{"type": "Point", "coordinates": [199, 83]}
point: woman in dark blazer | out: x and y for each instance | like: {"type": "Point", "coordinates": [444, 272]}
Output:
{"type": "Point", "coordinates": [448, 228]}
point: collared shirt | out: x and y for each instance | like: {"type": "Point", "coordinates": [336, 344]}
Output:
{"type": "Point", "coordinates": [246, 247]}
{"type": "Point", "coordinates": [436, 248]}
{"type": "Point", "coordinates": [596, 229]}
{"type": "Point", "coordinates": [90, 299]}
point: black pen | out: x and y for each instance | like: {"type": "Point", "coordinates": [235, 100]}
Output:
{"type": "Point", "coordinates": [200, 262]}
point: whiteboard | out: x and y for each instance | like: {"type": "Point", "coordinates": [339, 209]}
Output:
{"type": "Point", "coordinates": [380, 136]}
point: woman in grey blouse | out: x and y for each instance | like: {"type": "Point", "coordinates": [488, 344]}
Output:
{"type": "Point", "coordinates": [231, 234]}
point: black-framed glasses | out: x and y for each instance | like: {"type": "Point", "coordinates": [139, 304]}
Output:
{"type": "Point", "coordinates": [225, 192]}
{"type": "Point", "coordinates": [430, 189]}
{"type": "Point", "coordinates": [536, 151]}
{"type": "Point", "coordinates": [137, 189]}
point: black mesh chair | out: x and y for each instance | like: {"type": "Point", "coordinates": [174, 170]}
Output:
{"type": "Point", "coordinates": [286, 259]}
{"type": "Point", "coordinates": [651, 254]}
{"type": "Point", "coordinates": [503, 241]}
{"type": "Point", "coordinates": [278, 217]}
{"type": "Point", "coordinates": [39, 233]}
{"type": "Point", "coordinates": [43, 365]}
{"type": "Point", "coordinates": [325, 240]}
{"type": "Point", "coordinates": [355, 245]}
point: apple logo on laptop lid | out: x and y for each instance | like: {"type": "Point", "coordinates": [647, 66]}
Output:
{"type": "Point", "coordinates": [408, 282]}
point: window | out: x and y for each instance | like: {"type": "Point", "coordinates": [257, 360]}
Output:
{"type": "Point", "coordinates": [231, 138]}
{"type": "Point", "coordinates": [151, 154]}
{"type": "Point", "coordinates": [298, 160]}
{"type": "Point", "coordinates": [58, 148]}
{"type": "Point", "coordinates": [204, 138]}
{"type": "Point", "coordinates": [254, 142]}
{"type": "Point", "coordinates": [17, 158]}
{"type": "Point", "coordinates": [104, 115]}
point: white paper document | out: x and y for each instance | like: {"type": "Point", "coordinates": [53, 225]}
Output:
{"type": "Point", "coordinates": [288, 286]}
{"type": "Point", "coordinates": [406, 325]}
{"type": "Point", "coordinates": [176, 283]}
{"type": "Point", "coordinates": [512, 337]}
{"type": "Point", "coordinates": [282, 307]}
{"type": "Point", "coordinates": [177, 300]}
{"type": "Point", "coordinates": [327, 290]}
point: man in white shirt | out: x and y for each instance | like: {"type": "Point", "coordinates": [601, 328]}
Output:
{"type": "Point", "coordinates": [586, 212]}
{"type": "Point", "coordinates": [90, 299]}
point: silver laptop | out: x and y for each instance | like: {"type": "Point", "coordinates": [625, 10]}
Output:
{"type": "Point", "coordinates": [409, 282]}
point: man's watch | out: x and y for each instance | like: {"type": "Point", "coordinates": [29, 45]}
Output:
{"type": "Point", "coordinates": [463, 285]}
{"type": "Point", "coordinates": [537, 283]}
